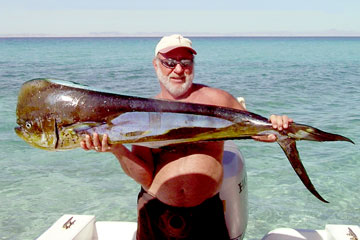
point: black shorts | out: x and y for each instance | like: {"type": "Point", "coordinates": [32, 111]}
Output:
{"type": "Point", "coordinates": [158, 221]}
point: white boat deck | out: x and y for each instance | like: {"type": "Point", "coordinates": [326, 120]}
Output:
{"type": "Point", "coordinates": [331, 232]}
{"type": "Point", "coordinates": [85, 227]}
{"type": "Point", "coordinates": [112, 230]}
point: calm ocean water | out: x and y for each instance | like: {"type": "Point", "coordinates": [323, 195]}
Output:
{"type": "Point", "coordinates": [316, 81]}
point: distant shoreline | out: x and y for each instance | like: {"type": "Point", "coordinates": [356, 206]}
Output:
{"type": "Point", "coordinates": [187, 35]}
{"type": "Point", "coordinates": [113, 34]}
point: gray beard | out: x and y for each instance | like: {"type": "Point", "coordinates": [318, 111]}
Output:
{"type": "Point", "coordinates": [175, 90]}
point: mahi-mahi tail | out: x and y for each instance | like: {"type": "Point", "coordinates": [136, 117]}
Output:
{"type": "Point", "coordinates": [291, 152]}
{"type": "Point", "coordinates": [304, 132]}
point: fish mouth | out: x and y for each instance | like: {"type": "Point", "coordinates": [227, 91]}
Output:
{"type": "Point", "coordinates": [18, 131]}
{"type": "Point", "coordinates": [24, 136]}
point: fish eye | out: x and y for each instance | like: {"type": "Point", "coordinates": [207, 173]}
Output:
{"type": "Point", "coordinates": [28, 125]}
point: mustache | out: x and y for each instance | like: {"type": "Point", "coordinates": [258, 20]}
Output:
{"type": "Point", "coordinates": [177, 75]}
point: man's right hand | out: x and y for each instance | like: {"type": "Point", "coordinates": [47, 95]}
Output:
{"type": "Point", "coordinates": [93, 143]}
{"type": "Point", "coordinates": [133, 165]}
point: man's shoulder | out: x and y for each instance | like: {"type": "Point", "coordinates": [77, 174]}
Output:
{"type": "Point", "coordinates": [211, 91]}
{"type": "Point", "coordinates": [215, 96]}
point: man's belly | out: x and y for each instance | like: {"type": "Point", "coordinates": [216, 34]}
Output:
{"type": "Point", "coordinates": [187, 181]}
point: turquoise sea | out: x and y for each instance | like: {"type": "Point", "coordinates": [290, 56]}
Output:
{"type": "Point", "coordinates": [316, 81]}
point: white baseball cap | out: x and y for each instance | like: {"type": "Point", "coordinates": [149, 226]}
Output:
{"type": "Point", "coordinates": [168, 43]}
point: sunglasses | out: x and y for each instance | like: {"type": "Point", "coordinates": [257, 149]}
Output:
{"type": "Point", "coordinates": [171, 63]}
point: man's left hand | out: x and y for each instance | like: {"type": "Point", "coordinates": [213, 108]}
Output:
{"type": "Point", "coordinates": [279, 123]}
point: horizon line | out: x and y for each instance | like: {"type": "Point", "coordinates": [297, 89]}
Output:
{"type": "Point", "coordinates": [276, 33]}
{"type": "Point", "coordinates": [161, 35]}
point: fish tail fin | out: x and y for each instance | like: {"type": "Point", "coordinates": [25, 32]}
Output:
{"type": "Point", "coordinates": [288, 145]}
{"type": "Point", "coordinates": [304, 132]}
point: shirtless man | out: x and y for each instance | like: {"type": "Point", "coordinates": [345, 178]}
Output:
{"type": "Point", "coordinates": [179, 198]}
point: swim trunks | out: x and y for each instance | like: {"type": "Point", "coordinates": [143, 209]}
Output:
{"type": "Point", "coordinates": [158, 221]}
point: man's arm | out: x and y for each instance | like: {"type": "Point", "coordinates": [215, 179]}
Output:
{"type": "Point", "coordinates": [138, 163]}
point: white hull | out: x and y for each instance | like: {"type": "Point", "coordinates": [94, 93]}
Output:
{"type": "Point", "coordinates": [86, 227]}
{"type": "Point", "coordinates": [331, 232]}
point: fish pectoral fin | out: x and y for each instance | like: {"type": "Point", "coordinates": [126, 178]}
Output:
{"type": "Point", "coordinates": [136, 133]}
{"type": "Point", "coordinates": [84, 126]}
{"type": "Point", "coordinates": [288, 145]}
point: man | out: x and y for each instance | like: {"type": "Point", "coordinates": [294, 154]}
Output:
{"type": "Point", "coordinates": [179, 198]}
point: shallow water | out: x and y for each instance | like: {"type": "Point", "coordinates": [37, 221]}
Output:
{"type": "Point", "coordinates": [316, 81]}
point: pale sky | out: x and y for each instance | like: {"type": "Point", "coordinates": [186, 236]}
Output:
{"type": "Point", "coordinates": [192, 17]}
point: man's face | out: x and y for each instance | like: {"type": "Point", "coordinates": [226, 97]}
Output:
{"type": "Point", "coordinates": [175, 71]}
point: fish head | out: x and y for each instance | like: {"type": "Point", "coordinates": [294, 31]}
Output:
{"type": "Point", "coordinates": [40, 133]}
{"type": "Point", "coordinates": [36, 122]}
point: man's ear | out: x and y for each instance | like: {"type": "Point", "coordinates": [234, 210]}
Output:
{"type": "Point", "coordinates": [155, 64]}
